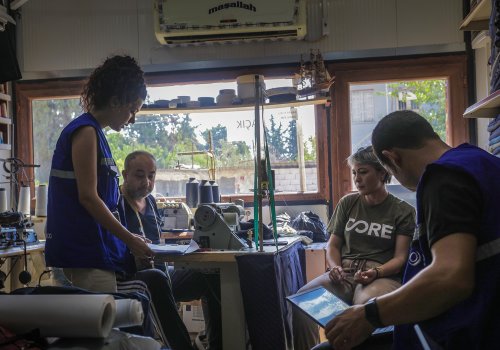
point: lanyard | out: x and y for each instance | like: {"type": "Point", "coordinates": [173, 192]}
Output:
{"type": "Point", "coordinates": [141, 226]}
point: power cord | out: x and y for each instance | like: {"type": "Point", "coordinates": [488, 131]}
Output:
{"type": "Point", "coordinates": [40, 278]}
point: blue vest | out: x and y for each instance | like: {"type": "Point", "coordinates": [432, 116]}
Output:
{"type": "Point", "coordinates": [74, 238]}
{"type": "Point", "coordinates": [474, 322]}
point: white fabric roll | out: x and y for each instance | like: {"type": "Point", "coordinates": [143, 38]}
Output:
{"type": "Point", "coordinates": [128, 313]}
{"type": "Point", "coordinates": [23, 205]}
{"type": "Point", "coordinates": [72, 316]}
{"type": "Point", "coordinates": [3, 200]}
{"type": "Point", "coordinates": [41, 201]}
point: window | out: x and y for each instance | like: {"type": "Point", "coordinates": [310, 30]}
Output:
{"type": "Point", "coordinates": [291, 133]}
{"type": "Point", "coordinates": [46, 130]}
{"type": "Point", "coordinates": [426, 97]}
{"type": "Point", "coordinates": [332, 137]}
{"type": "Point", "coordinates": [433, 86]}
{"type": "Point", "coordinates": [362, 108]}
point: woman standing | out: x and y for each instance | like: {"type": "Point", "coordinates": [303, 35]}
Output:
{"type": "Point", "coordinates": [84, 235]}
{"type": "Point", "coordinates": [368, 246]}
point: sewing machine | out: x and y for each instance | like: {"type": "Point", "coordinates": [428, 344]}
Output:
{"type": "Point", "coordinates": [216, 225]}
{"type": "Point", "coordinates": [15, 229]}
{"type": "Point", "coordinates": [175, 215]}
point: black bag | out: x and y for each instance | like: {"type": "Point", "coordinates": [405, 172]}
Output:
{"type": "Point", "coordinates": [308, 221]}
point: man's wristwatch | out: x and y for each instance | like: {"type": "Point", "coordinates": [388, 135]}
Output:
{"type": "Point", "coordinates": [371, 313]}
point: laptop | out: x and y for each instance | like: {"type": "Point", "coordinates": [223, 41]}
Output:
{"type": "Point", "coordinates": [322, 306]}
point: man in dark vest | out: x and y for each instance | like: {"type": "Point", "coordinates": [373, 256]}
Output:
{"type": "Point", "coordinates": [142, 217]}
{"type": "Point", "coordinates": [451, 286]}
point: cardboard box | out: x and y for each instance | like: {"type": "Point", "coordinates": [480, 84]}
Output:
{"type": "Point", "coordinates": [192, 315]}
{"type": "Point", "coordinates": [315, 260]}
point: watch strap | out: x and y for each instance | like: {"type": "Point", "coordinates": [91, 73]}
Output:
{"type": "Point", "coordinates": [371, 313]}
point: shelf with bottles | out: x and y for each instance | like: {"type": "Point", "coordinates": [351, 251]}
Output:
{"type": "Point", "coordinates": [478, 17]}
{"type": "Point", "coordinates": [488, 107]}
{"type": "Point", "coordinates": [229, 108]}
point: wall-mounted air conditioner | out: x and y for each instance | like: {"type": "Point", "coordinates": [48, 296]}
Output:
{"type": "Point", "coordinates": [208, 21]}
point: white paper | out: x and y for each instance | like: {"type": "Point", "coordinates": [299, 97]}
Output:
{"type": "Point", "coordinates": [72, 316]}
{"type": "Point", "coordinates": [128, 313]}
{"type": "Point", "coordinates": [174, 249]}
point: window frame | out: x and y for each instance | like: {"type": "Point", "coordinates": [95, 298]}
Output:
{"type": "Point", "coordinates": [452, 67]}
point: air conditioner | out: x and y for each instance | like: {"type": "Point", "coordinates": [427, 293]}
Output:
{"type": "Point", "coordinates": [208, 21]}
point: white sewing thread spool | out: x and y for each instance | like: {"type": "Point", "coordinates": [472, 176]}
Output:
{"type": "Point", "coordinates": [23, 205]}
{"type": "Point", "coordinates": [3, 200]}
{"type": "Point", "coordinates": [41, 201]}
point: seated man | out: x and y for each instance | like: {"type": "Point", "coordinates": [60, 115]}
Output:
{"type": "Point", "coordinates": [142, 217]}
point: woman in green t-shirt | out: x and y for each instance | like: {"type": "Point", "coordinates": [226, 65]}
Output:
{"type": "Point", "coordinates": [370, 237]}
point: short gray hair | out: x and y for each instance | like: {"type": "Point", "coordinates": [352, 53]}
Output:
{"type": "Point", "coordinates": [365, 155]}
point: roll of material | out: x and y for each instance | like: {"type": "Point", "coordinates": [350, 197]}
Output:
{"type": "Point", "coordinates": [206, 195]}
{"type": "Point", "coordinates": [192, 188]}
{"type": "Point", "coordinates": [71, 316]}
{"type": "Point", "coordinates": [215, 191]}
{"type": "Point", "coordinates": [128, 313]}
{"type": "Point", "coordinates": [3, 201]}
{"type": "Point", "coordinates": [23, 205]}
{"type": "Point", "coordinates": [41, 201]}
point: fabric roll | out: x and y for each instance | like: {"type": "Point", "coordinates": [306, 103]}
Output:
{"type": "Point", "coordinates": [71, 316]}
{"type": "Point", "coordinates": [23, 205]}
{"type": "Point", "coordinates": [41, 201]}
{"type": "Point", "coordinates": [3, 201]}
{"type": "Point", "coordinates": [128, 313]}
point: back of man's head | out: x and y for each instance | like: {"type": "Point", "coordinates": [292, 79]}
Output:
{"type": "Point", "coordinates": [401, 129]}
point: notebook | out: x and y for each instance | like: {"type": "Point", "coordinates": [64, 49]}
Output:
{"type": "Point", "coordinates": [322, 306]}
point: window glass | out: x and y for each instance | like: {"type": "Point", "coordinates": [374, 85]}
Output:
{"type": "Point", "coordinates": [291, 136]}
{"type": "Point", "coordinates": [49, 118]}
{"type": "Point", "coordinates": [291, 133]}
{"type": "Point", "coordinates": [370, 102]}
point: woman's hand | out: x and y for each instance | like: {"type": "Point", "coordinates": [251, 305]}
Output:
{"type": "Point", "coordinates": [139, 248]}
{"type": "Point", "coordinates": [365, 277]}
{"type": "Point", "coordinates": [336, 274]}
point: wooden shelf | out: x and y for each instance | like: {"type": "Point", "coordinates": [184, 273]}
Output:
{"type": "Point", "coordinates": [246, 107]}
{"type": "Point", "coordinates": [5, 146]}
{"type": "Point", "coordinates": [488, 107]}
{"type": "Point", "coordinates": [478, 18]}
{"type": "Point", "coordinates": [5, 97]}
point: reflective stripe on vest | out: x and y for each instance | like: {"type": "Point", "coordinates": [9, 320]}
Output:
{"type": "Point", "coordinates": [63, 174]}
{"type": "Point", "coordinates": [488, 250]}
{"type": "Point", "coordinates": [108, 161]}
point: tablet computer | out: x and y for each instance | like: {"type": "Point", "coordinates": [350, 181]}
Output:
{"type": "Point", "coordinates": [322, 306]}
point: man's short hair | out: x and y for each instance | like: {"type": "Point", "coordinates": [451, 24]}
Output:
{"type": "Point", "coordinates": [133, 155]}
{"type": "Point", "coordinates": [401, 129]}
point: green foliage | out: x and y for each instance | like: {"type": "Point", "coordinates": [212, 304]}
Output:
{"type": "Point", "coordinates": [430, 100]}
{"type": "Point", "coordinates": [49, 118]}
{"type": "Point", "coordinates": [310, 149]}
{"type": "Point", "coordinates": [282, 140]}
